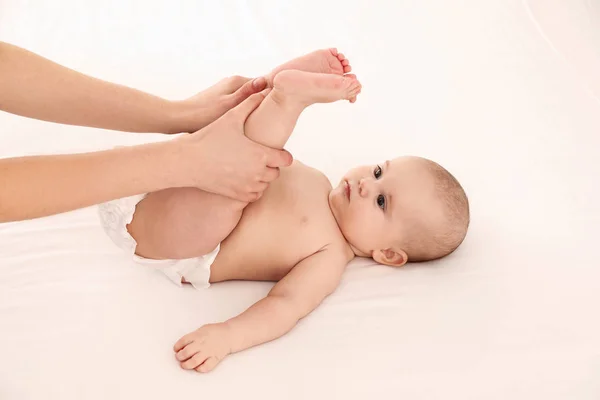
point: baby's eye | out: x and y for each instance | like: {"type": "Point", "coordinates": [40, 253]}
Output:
{"type": "Point", "coordinates": [381, 201]}
{"type": "Point", "coordinates": [377, 172]}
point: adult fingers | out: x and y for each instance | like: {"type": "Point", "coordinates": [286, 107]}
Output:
{"type": "Point", "coordinates": [279, 158]}
{"type": "Point", "coordinates": [260, 187]}
{"type": "Point", "coordinates": [256, 196]}
{"type": "Point", "coordinates": [246, 196]}
{"type": "Point", "coordinates": [270, 174]}
{"type": "Point", "coordinates": [233, 83]}
{"type": "Point", "coordinates": [242, 111]}
{"type": "Point", "coordinates": [248, 89]}
{"type": "Point", "coordinates": [251, 87]}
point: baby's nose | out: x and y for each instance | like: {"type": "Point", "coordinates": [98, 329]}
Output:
{"type": "Point", "coordinates": [363, 187]}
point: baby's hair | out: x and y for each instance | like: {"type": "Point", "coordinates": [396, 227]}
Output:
{"type": "Point", "coordinates": [437, 243]}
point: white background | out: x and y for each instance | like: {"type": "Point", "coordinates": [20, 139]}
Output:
{"type": "Point", "coordinates": [503, 93]}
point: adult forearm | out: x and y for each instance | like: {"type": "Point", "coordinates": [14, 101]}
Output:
{"type": "Point", "coordinates": [35, 87]}
{"type": "Point", "coordinates": [268, 319]}
{"type": "Point", "coordinates": [38, 186]}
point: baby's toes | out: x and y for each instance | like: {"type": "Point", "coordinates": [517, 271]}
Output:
{"type": "Point", "coordinates": [345, 62]}
{"type": "Point", "coordinates": [357, 90]}
{"type": "Point", "coordinates": [334, 51]}
{"type": "Point", "coordinates": [347, 68]}
{"type": "Point", "coordinates": [352, 94]}
{"type": "Point", "coordinates": [354, 87]}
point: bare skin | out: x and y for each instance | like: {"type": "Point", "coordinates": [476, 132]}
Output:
{"type": "Point", "coordinates": [302, 233]}
{"type": "Point", "coordinates": [35, 87]}
{"type": "Point", "coordinates": [295, 234]}
{"type": "Point", "coordinates": [183, 223]}
{"type": "Point", "coordinates": [290, 236]}
{"type": "Point", "coordinates": [325, 61]}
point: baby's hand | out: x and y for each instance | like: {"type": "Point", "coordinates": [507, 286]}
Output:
{"type": "Point", "coordinates": [204, 348]}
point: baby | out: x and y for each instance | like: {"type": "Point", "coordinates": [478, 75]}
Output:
{"type": "Point", "coordinates": [301, 232]}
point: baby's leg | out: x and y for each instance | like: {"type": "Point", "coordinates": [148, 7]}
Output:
{"type": "Point", "coordinates": [324, 61]}
{"type": "Point", "coordinates": [272, 123]}
{"type": "Point", "coordinates": [185, 223]}
{"type": "Point", "coordinates": [181, 223]}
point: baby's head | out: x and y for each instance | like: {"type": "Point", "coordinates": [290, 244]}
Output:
{"type": "Point", "coordinates": [408, 209]}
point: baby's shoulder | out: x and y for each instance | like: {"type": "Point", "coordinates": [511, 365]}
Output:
{"type": "Point", "coordinates": [299, 169]}
{"type": "Point", "coordinates": [342, 249]}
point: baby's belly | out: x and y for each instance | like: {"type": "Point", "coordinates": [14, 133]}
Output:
{"type": "Point", "coordinates": [266, 247]}
{"type": "Point", "coordinates": [248, 271]}
{"type": "Point", "coordinates": [251, 257]}
{"type": "Point", "coordinates": [289, 223]}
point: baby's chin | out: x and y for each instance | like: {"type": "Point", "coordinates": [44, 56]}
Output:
{"type": "Point", "coordinates": [335, 199]}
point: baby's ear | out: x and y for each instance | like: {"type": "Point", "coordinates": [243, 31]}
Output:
{"type": "Point", "coordinates": [391, 257]}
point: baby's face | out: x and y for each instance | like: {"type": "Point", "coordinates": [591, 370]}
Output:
{"type": "Point", "coordinates": [375, 204]}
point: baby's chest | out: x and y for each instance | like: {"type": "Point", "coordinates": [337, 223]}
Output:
{"type": "Point", "coordinates": [292, 215]}
{"type": "Point", "coordinates": [290, 222]}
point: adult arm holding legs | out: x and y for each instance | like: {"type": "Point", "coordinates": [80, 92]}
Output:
{"type": "Point", "coordinates": [218, 159]}
{"type": "Point", "coordinates": [38, 186]}
{"type": "Point", "coordinates": [35, 87]}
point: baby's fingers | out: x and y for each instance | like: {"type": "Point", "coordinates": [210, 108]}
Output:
{"type": "Point", "coordinates": [184, 341]}
{"type": "Point", "coordinates": [188, 351]}
{"type": "Point", "coordinates": [208, 365]}
{"type": "Point", "coordinates": [195, 361]}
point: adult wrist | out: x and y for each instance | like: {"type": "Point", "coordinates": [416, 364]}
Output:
{"type": "Point", "coordinates": [163, 163]}
{"type": "Point", "coordinates": [174, 118]}
{"type": "Point", "coordinates": [185, 117]}
{"type": "Point", "coordinates": [177, 158]}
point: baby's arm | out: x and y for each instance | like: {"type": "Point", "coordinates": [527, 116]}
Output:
{"type": "Point", "coordinates": [291, 299]}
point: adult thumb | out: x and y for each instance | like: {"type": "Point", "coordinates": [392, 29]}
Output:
{"type": "Point", "coordinates": [247, 89]}
{"type": "Point", "coordinates": [279, 158]}
{"type": "Point", "coordinates": [243, 110]}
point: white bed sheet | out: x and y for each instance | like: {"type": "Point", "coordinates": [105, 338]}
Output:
{"type": "Point", "coordinates": [504, 93]}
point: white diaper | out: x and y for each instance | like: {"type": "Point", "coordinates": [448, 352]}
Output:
{"type": "Point", "coordinates": [116, 215]}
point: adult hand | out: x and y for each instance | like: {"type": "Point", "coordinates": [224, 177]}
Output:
{"type": "Point", "coordinates": [222, 160]}
{"type": "Point", "coordinates": [207, 106]}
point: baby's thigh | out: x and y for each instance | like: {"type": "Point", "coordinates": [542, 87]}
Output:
{"type": "Point", "coordinates": [182, 223]}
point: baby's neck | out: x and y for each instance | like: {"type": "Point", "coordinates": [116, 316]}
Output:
{"type": "Point", "coordinates": [357, 252]}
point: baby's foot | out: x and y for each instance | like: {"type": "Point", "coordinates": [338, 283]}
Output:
{"type": "Point", "coordinates": [309, 87]}
{"type": "Point", "coordinates": [326, 61]}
